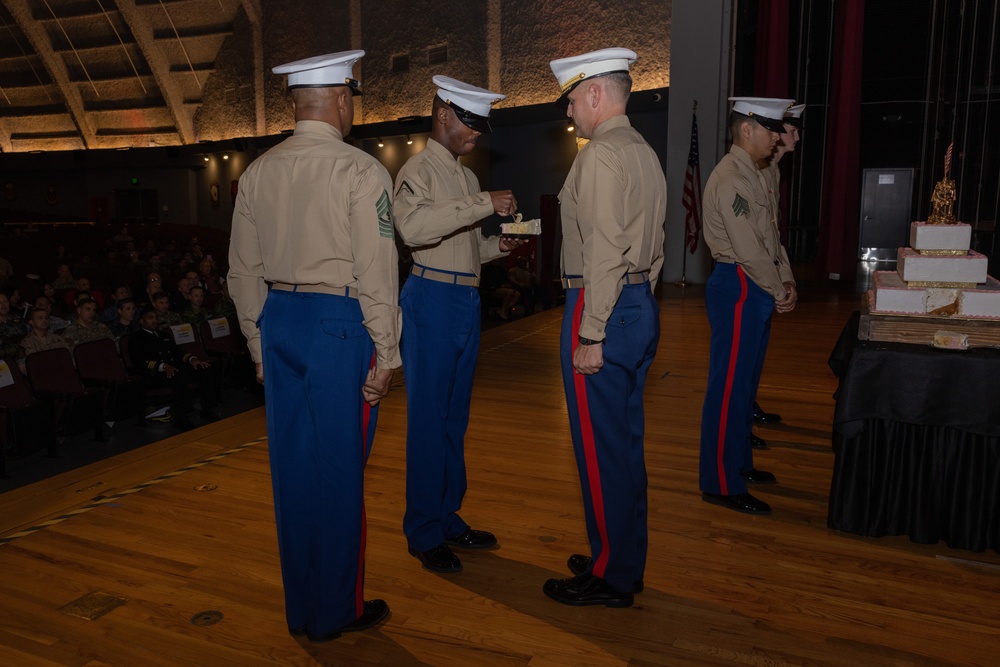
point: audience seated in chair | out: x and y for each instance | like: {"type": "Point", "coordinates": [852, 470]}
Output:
{"type": "Point", "coordinates": [83, 285]}
{"type": "Point", "coordinates": [56, 323]}
{"type": "Point", "coordinates": [41, 338]}
{"type": "Point", "coordinates": [12, 329]}
{"type": "Point", "coordinates": [495, 292]}
{"type": "Point", "coordinates": [163, 363]}
{"type": "Point", "coordinates": [86, 327]}
{"type": "Point", "coordinates": [196, 313]}
{"type": "Point", "coordinates": [110, 313]}
{"type": "Point", "coordinates": [166, 317]}
{"type": "Point", "coordinates": [127, 322]}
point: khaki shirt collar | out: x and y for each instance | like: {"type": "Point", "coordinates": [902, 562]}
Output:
{"type": "Point", "coordinates": [440, 152]}
{"type": "Point", "coordinates": [318, 128]}
{"type": "Point", "coordinates": [744, 157]}
{"type": "Point", "coordinates": [620, 120]}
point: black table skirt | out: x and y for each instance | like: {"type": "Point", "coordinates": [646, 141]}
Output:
{"type": "Point", "coordinates": [917, 443]}
{"type": "Point", "coordinates": [931, 483]}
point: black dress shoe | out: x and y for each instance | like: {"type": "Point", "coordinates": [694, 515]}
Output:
{"type": "Point", "coordinates": [472, 539]}
{"type": "Point", "coordinates": [578, 564]}
{"type": "Point", "coordinates": [754, 476]}
{"type": "Point", "coordinates": [757, 443]}
{"type": "Point", "coordinates": [762, 417]}
{"type": "Point", "coordinates": [210, 415]}
{"type": "Point", "coordinates": [439, 559]}
{"type": "Point", "coordinates": [297, 632]}
{"type": "Point", "coordinates": [741, 502]}
{"type": "Point", "coordinates": [586, 589]}
{"type": "Point", "coordinates": [375, 612]}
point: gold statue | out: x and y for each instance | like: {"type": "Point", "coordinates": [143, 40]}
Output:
{"type": "Point", "coordinates": [942, 203]}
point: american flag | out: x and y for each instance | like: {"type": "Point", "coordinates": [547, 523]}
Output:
{"type": "Point", "coordinates": [691, 198]}
{"type": "Point", "coordinates": [947, 159]}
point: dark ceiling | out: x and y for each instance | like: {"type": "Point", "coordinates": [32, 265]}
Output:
{"type": "Point", "coordinates": [85, 74]}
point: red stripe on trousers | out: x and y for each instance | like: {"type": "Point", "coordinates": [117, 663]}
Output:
{"type": "Point", "coordinates": [359, 591]}
{"type": "Point", "coordinates": [730, 375]}
{"type": "Point", "coordinates": [589, 449]}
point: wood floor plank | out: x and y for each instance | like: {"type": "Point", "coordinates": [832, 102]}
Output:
{"type": "Point", "coordinates": [186, 526]}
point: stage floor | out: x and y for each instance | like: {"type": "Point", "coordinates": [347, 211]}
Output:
{"type": "Point", "coordinates": [179, 534]}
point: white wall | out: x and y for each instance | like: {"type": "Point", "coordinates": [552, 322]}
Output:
{"type": "Point", "coordinates": [699, 70]}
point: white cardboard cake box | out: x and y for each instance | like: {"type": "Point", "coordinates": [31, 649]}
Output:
{"type": "Point", "coordinates": [924, 236]}
{"type": "Point", "coordinates": [914, 267]}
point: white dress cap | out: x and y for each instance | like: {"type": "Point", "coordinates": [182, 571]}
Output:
{"type": "Point", "coordinates": [793, 116]}
{"type": "Point", "coordinates": [571, 71]}
{"type": "Point", "coordinates": [333, 69]}
{"type": "Point", "coordinates": [768, 111]}
{"type": "Point", "coordinates": [471, 104]}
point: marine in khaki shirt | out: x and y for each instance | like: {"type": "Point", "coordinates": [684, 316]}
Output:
{"type": "Point", "coordinates": [438, 208]}
{"type": "Point", "coordinates": [353, 248]}
{"type": "Point", "coordinates": [438, 212]}
{"type": "Point", "coordinates": [750, 281]}
{"type": "Point", "coordinates": [612, 218]}
{"type": "Point", "coordinates": [740, 222]}
{"type": "Point", "coordinates": [314, 220]}
{"type": "Point", "coordinates": [612, 206]}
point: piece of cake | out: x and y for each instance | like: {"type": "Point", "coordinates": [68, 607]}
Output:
{"type": "Point", "coordinates": [521, 227]}
{"type": "Point", "coordinates": [893, 296]}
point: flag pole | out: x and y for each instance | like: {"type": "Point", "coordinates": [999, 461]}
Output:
{"type": "Point", "coordinates": [683, 282]}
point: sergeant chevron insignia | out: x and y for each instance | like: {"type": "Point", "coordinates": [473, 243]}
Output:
{"type": "Point", "coordinates": [741, 206]}
{"type": "Point", "coordinates": [385, 219]}
{"type": "Point", "coordinates": [405, 186]}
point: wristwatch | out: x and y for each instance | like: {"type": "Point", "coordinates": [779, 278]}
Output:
{"type": "Point", "coordinates": [590, 341]}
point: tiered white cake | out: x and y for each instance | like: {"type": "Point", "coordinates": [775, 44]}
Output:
{"type": "Point", "coordinates": [938, 276]}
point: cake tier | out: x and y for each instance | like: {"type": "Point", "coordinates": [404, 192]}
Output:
{"type": "Point", "coordinates": [927, 237]}
{"type": "Point", "coordinates": [968, 269]}
{"type": "Point", "coordinates": [893, 296]}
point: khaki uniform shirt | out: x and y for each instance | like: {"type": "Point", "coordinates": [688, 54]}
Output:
{"type": "Point", "coordinates": [316, 211]}
{"type": "Point", "coordinates": [613, 207]}
{"type": "Point", "coordinates": [740, 222]}
{"type": "Point", "coordinates": [76, 333]}
{"type": "Point", "coordinates": [34, 343]}
{"type": "Point", "coordinates": [438, 208]}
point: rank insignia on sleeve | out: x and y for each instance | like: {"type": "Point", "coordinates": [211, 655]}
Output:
{"type": "Point", "coordinates": [385, 219]}
{"type": "Point", "coordinates": [741, 206]}
{"type": "Point", "coordinates": [405, 186]}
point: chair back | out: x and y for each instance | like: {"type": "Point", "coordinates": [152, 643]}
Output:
{"type": "Point", "coordinates": [53, 371]}
{"type": "Point", "coordinates": [218, 341]}
{"type": "Point", "coordinates": [17, 394]}
{"type": "Point", "coordinates": [99, 361]}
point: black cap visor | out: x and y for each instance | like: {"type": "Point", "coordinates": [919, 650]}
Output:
{"type": "Point", "coordinates": [471, 120]}
{"type": "Point", "coordinates": [768, 123]}
{"type": "Point", "coordinates": [353, 84]}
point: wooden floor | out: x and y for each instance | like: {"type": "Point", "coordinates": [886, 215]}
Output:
{"type": "Point", "coordinates": [185, 527]}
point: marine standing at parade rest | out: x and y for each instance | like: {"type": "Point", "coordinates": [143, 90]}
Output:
{"type": "Point", "coordinates": [314, 220]}
{"type": "Point", "coordinates": [787, 139]}
{"type": "Point", "coordinates": [613, 206]}
{"type": "Point", "coordinates": [438, 211]}
{"type": "Point", "coordinates": [751, 279]}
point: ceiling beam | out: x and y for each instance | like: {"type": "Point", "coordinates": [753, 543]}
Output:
{"type": "Point", "coordinates": [142, 31]}
{"type": "Point", "coordinates": [20, 10]}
